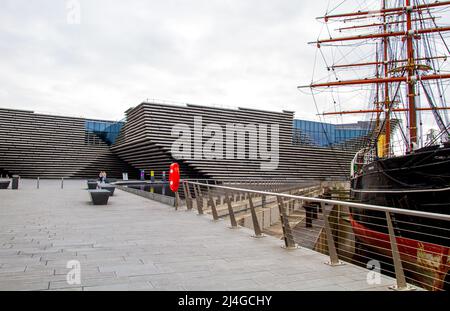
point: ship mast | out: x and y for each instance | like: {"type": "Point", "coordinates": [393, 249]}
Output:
{"type": "Point", "coordinates": [411, 67]}
{"type": "Point", "coordinates": [387, 146]}
{"type": "Point", "coordinates": [387, 10]}
{"type": "Point", "coordinates": [377, 94]}
{"type": "Point", "coordinates": [412, 81]}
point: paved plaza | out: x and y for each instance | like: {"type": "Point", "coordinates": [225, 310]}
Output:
{"type": "Point", "coordinates": [137, 244]}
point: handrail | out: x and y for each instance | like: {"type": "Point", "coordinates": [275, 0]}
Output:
{"type": "Point", "coordinates": [258, 180]}
{"type": "Point", "coordinates": [398, 247]}
{"type": "Point", "coordinates": [333, 202]}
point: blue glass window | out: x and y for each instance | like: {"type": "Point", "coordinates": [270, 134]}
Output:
{"type": "Point", "coordinates": [105, 130]}
{"type": "Point", "coordinates": [326, 134]}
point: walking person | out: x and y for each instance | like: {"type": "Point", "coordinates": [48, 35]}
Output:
{"type": "Point", "coordinates": [104, 177]}
{"type": "Point", "coordinates": [100, 176]}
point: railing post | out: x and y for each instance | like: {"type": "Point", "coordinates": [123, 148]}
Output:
{"type": "Point", "coordinates": [258, 233]}
{"type": "Point", "coordinates": [189, 197]}
{"type": "Point", "coordinates": [399, 274]}
{"type": "Point", "coordinates": [334, 259]}
{"type": "Point", "coordinates": [213, 205]}
{"type": "Point", "coordinates": [183, 183]}
{"type": "Point", "coordinates": [263, 201]}
{"type": "Point", "coordinates": [177, 200]}
{"type": "Point", "coordinates": [287, 231]}
{"type": "Point", "coordinates": [231, 212]}
{"type": "Point", "coordinates": [199, 190]}
{"type": "Point", "coordinates": [62, 183]}
{"type": "Point", "coordinates": [199, 198]}
{"type": "Point", "coordinates": [37, 183]}
{"type": "Point", "coordinates": [194, 187]}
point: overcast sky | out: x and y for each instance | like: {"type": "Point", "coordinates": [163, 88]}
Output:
{"type": "Point", "coordinates": [112, 55]}
{"type": "Point", "coordinates": [250, 53]}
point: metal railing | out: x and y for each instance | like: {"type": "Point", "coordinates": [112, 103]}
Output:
{"type": "Point", "coordinates": [412, 246]}
{"type": "Point", "coordinates": [38, 181]}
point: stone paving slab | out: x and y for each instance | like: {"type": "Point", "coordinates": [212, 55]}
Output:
{"type": "Point", "coordinates": [137, 244]}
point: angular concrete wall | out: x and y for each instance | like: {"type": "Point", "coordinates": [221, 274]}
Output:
{"type": "Point", "coordinates": [145, 142]}
{"type": "Point", "coordinates": [36, 145]}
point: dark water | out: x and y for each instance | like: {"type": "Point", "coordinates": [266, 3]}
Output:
{"type": "Point", "coordinates": [158, 188]}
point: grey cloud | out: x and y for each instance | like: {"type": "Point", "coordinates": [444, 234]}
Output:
{"type": "Point", "coordinates": [239, 53]}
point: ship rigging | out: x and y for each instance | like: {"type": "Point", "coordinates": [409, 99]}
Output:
{"type": "Point", "coordinates": [405, 54]}
{"type": "Point", "coordinates": [400, 69]}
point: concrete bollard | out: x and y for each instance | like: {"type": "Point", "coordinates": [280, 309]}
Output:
{"type": "Point", "coordinates": [309, 215]}
{"type": "Point", "coordinates": [15, 182]}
